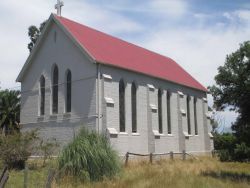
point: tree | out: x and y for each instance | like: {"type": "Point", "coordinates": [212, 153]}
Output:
{"type": "Point", "coordinates": [9, 110]}
{"type": "Point", "coordinates": [232, 90]}
{"type": "Point", "coordinates": [34, 34]}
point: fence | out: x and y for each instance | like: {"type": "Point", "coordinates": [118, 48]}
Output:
{"type": "Point", "coordinates": [184, 155]}
{"type": "Point", "coordinates": [27, 182]}
{"type": "Point", "coordinates": [4, 177]}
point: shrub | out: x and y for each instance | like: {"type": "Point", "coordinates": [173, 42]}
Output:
{"type": "Point", "coordinates": [16, 148]}
{"type": "Point", "coordinates": [241, 152]}
{"type": "Point", "coordinates": [224, 155]}
{"type": "Point", "coordinates": [47, 148]}
{"type": "Point", "coordinates": [89, 157]}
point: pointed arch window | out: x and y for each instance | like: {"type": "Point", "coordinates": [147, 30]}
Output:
{"type": "Point", "coordinates": [122, 105]}
{"type": "Point", "coordinates": [160, 110]}
{"type": "Point", "coordinates": [68, 91]}
{"type": "Point", "coordinates": [188, 115]}
{"type": "Point", "coordinates": [169, 111]}
{"type": "Point", "coordinates": [55, 90]}
{"type": "Point", "coordinates": [42, 95]}
{"type": "Point", "coordinates": [134, 108]}
{"type": "Point", "coordinates": [195, 117]}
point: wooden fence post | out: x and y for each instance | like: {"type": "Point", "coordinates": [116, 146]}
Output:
{"type": "Point", "coordinates": [4, 177]}
{"type": "Point", "coordinates": [25, 180]}
{"type": "Point", "coordinates": [184, 155]}
{"type": "Point", "coordinates": [171, 155]}
{"type": "Point", "coordinates": [151, 158]}
{"type": "Point", "coordinates": [126, 160]}
{"type": "Point", "coordinates": [50, 177]}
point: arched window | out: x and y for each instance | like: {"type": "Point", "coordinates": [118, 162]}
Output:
{"type": "Point", "coordinates": [68, 91]}
{"type": "Point", "coordinates": [134, 108]}
{"type": "Point", "coordinates": [160, 110]}
{"type": "Point", "coordinates": [122, 105]}
{"type": "Point", "coordinates": [169, 111]}
{"type": "Point", "coordinates": [55, 90]}
{"type": "Point", "coordinates": [188, 115]}
{"type": "Point", "coordinates": [42, 95]}
{"type": "Point", "coordinates": [195, 117]}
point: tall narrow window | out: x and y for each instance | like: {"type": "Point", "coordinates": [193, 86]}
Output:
{"type": "Point", "coordinates": [42, 95]}
{"type": "Point", "coordinates": [195, 117]}
{"type": "Point", "coordinates": [169, 112]}
{"type": "Point", "coordinates": [68, 90]}
{"type": "Point", "coordinates": [188, 115]}
{"type": "Point", "coordinates": [55, 90]}
{"type": "Point", "coordinates": [134, 108]}
{"type": "Point", "coordinates": [160, 110]}
{"type": "Point", "coordinates": [122, 105]}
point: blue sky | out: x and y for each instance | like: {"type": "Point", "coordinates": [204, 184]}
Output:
{"type": "Point", "coordinates": [197, 34]}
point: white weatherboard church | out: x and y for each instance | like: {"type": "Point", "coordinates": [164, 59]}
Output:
{"type": "Point", "coordinates": [144, 102]}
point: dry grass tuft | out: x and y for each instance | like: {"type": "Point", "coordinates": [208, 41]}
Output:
{"type": "Point", "coordinates": [203, 173]}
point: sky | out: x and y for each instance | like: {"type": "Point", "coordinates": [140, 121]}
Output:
{"type": "Point", "coordinates": [197, 34]}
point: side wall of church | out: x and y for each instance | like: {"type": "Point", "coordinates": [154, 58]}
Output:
{"type": "Point", "coordinates": [145, 141]}
{"type": "Point", "coordinates": [58, 49]}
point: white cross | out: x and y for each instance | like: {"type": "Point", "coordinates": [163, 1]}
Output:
{"type": "Point", "coordinates": [58, 6]}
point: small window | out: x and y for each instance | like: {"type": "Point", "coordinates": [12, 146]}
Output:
{"type": "Point", "coordinates": [42, 95]}
{"type": "Point", "coordinates": [160, 110]}
{"type": "Point", "coordinates": [55, 90]}
{"type": "Point", "coordinates": [134, 108]}
{"type": "Point", "coordinates": [195, 116]}
{"type": "Point", "coordinates": [169, 112]}
{"type": "Point", "coordinates": [68, 90]}
{"type": "Point", "coordinates": [122, 105]}
{"type": "Point", "coordinates": [188, 115]}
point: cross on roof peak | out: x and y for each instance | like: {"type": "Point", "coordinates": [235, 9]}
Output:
{"type": "Point", "coordinates": [58, 6]}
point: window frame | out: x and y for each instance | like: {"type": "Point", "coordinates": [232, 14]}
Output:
{"type": "Point", "coordinates": [122, 104]}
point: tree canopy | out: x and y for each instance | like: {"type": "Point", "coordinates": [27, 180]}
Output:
{"type": "Point", "coordinates": [9, 110]}
{"type": "Point", "coordinates": [34, 33]}
{"type": "Point", "coordinates": [232, 90]}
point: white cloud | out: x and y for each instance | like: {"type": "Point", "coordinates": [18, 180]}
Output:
{"type": "Point", "coordinates": [199, 50]}
{"type": "Point", "coordinates": [241, 15]}
{"type": "Point", "coordinates": [100, 18]}
{"type": "Point", "coordinates": [174, 9]}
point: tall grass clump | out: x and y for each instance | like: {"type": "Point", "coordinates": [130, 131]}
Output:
{"type": "Point", "coordinates": [89, 157]}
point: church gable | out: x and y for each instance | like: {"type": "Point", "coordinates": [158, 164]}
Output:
{"type": "Point", "coordinates": [56, 49]}
{"type": "Point", "coordinates": [50, 36]}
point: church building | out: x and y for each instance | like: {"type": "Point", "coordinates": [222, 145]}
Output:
{"type": "Point", "coordinates": [144, 102]}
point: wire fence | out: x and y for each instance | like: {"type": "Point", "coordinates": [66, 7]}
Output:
{"type": "Point", "coordinates": [171, 154]}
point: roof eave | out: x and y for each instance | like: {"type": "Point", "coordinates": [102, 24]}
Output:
{"type": "Point", "coordinates": [112, 65]}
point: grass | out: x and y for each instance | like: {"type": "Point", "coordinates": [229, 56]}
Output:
{"type": "Point", "coordinates": [89, 157]}
{"type": "Point", "coordinates": [203, 173]}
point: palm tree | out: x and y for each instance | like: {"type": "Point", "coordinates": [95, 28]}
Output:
{"type": "Point", "coordinates": [9, 111]}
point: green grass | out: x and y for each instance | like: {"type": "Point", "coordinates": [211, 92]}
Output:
{"type": "Point", "coordinates": [89, 157]}
{"type": "Point", "coordinates": [203, 173]}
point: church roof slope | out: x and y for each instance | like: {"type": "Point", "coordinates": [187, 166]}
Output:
{"type": "Point", "coordinates": [110, 50]}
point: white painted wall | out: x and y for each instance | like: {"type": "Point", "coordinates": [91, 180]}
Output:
{"type": "Point", "coordinates": [67, 56]}
{"type": "Point", "coordinates": [144, 141]}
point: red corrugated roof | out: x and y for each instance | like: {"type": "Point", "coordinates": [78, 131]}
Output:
{"type": "Point", "coordinates": [116, 52]}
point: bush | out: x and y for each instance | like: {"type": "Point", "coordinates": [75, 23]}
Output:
{"type": "Point", "coordinates": [241, 152]}
{"type": "Point", "coordinates": [16, 148]}
{"type": "Point", "coordinates": [47, 148]}
{"type": "Point", "coordinates": [228, 148]}
{"type": "Point", "coordinates": [89, 157]}
{"type": "Point", "coordinates": [224, 155]}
